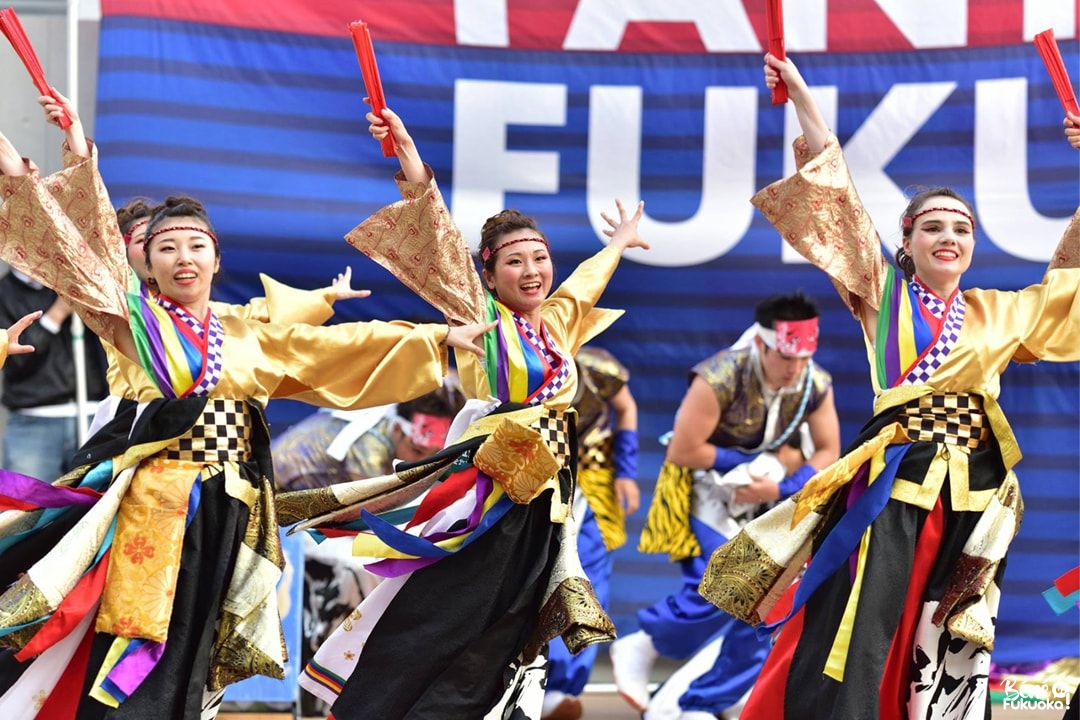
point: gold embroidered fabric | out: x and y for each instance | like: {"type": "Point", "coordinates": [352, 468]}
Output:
{"type": "Point", "coordinates": [145, 560]}
{"type": "Point", "coordinates": [737, 579]}
{"type": "Point", "coordinates": [249, 639]}
{"type": "Point", "coordinates": [23, 602]}
{"type": "Point", "coordinates": [574, 612]}
{"type": "Point", "coordinates": [818, 212]}
{"type": "Point", "coordinates": [417, 240]}
{"type": "Point", "coordinates": [965, 607]}
{"type": "Point", "coordinates": [748, 575]}
{"type": "Point", "coordinates": [519, 459]}
{"type": "Point", "coordinates": [44, 243]}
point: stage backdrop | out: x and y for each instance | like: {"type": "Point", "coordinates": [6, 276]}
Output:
{"type": "Point", "coordinates": [558, 106]}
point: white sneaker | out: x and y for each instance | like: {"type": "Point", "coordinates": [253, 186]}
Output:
{"type": "Point", "coordinates": [632, 659]}
{"type": "Point", "coordinates": [560, 706]}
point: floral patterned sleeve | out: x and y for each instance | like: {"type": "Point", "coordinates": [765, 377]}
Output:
{"type": "Point", "coordinates": [43, 242]}
{"type": "Point", "coordinates": [81, 194]}
{"type": "Point", "coordinates": [416, 239]}
{"type": "Point", "coordinates": [818, 212]}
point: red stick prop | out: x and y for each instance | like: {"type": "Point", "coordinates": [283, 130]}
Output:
{"type": "Point", "coordinates": [774, 19]}
{"type": "Point", "coordinates": [1051, 56]}
{"type": "Point", "coordinates": [13, 31]}
{"type": "Point", "coordinates": [365, 53]}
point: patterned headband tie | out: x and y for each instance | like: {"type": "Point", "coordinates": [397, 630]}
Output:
{"type": "Point", "coordinates": [486, 253]}
{"type": "Point", "coordinates": [204, 231]}
{"type": "Point", "coordinates": [135, 226]}
{"type": "Point", "coordinates": [793, 338]}
{"type": "Point", "coordinates": [909, 222]}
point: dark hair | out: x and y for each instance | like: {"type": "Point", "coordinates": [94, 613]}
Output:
{"type": "Point", "coordinates": [179, 206]}
{"type": "Point", "coordinates": [903, 260]}
{"type": "Point", "coordinates": [447, 401]}
{"type": "Point", "coordinates": [498, 225]}
{"type": "Point", "coordinates": [135, 209]}
{"type": "Point", "coordinates": [793, 306]}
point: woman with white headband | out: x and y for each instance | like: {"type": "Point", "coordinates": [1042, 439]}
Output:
{"type": "Point", "coordinates": [487, 571]}
{"type": "Point", "coordinates": [907, 532]}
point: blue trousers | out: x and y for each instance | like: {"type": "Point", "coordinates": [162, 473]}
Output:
{"type": "Point", "coordinates": [40, 447]}
{"type": "Point", "coordinates": [568, 673]}
{"type": "Point", "coordinates": [681, 624]}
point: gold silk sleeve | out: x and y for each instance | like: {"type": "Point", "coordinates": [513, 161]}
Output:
{"type": "Point", "coordinates": [283, 305]}
{"type": "Point", "coordinates": [353, 365]}
{"type": "Point", "coordinates": [1067, 253]}
{"type": "Point", "coordinates": [1047, 317]}
{"type": "Point", "coordinates": [818, 212]}
{"type": "Point", "coordinates": [42, 241]}
{"type": "Point", "coordinates": [417, 240]}
{"type": "Point", "coordinates": [571, 313]}
{"type": "Point", "coordinates": [3, 346]}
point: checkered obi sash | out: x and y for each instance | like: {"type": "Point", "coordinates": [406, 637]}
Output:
{"type": "Point", "coordinates": [221, 434]}
{"type": "Point", "coordinates": [951, 418]}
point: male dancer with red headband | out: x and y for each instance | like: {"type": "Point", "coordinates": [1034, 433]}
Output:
{"type": "Point", "coordinates": [745, 401]}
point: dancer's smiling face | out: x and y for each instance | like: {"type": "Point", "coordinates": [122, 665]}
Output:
{"type": "Point", "coordinates": [522, 273]}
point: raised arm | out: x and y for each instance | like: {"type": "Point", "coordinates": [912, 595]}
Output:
{"type": "Point", "coordinates": [813, 124]}
{"type": "Point", "coordinates": [411, 165]}
{"type": "Point", "coordinates": [572, 307]}
{"type": "Point", "coordinates": [44, 243]}
{"type": "Point", "coordinates": [80, 192]}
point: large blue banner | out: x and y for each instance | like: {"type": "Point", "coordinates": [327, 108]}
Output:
{"type": "Point", "coordinates": [262, 119]}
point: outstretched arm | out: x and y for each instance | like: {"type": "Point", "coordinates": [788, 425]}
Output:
{"type": "Point", "coordinates": [13, 346]}
{"type": "Point", "coordinates": [813, 124]}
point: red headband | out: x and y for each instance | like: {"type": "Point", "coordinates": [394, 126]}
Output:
{"type": "Point", "coordinates": [135, 226]}
{"type": "Point", "coordinates": [204, 231]}
{"type": "Point", "coordinates": [909, 222]}
{"type": "Point", "coordinates": [486, 253]}
{"type": "Point", "coordinates": [429, 430]}
{"type": "Point", "coordinates": [794, 338]}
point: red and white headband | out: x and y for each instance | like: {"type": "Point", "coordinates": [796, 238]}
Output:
{"type": "Point", "coordinates": [135, 226]}
{"type": "Point", "coordinates": [908, 222]}
{"type": "Point", "coordinates": [487, 253]}
{"type": "Point", "coordinates": [793, 338]}
{"type": "Point", "coordinates": [204, 231]}
{"type": "Point", "coordinates": [427, 430]}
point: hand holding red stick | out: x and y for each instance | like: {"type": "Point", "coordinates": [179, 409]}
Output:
{"type": "Point", "coordinates": [774, 19]}
{"type": "Point", "coordinates": [365, 53]}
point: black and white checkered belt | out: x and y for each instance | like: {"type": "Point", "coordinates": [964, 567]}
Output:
{"type": "Point", "coordinates": [554, 428]}
{"type": "Point", "coordinates": [222, 433]}
{"type": "Point", "coordinates": [953, 418]}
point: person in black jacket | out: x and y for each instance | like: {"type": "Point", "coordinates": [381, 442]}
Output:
{"type": "Point", "coordinates": [39, 388]}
